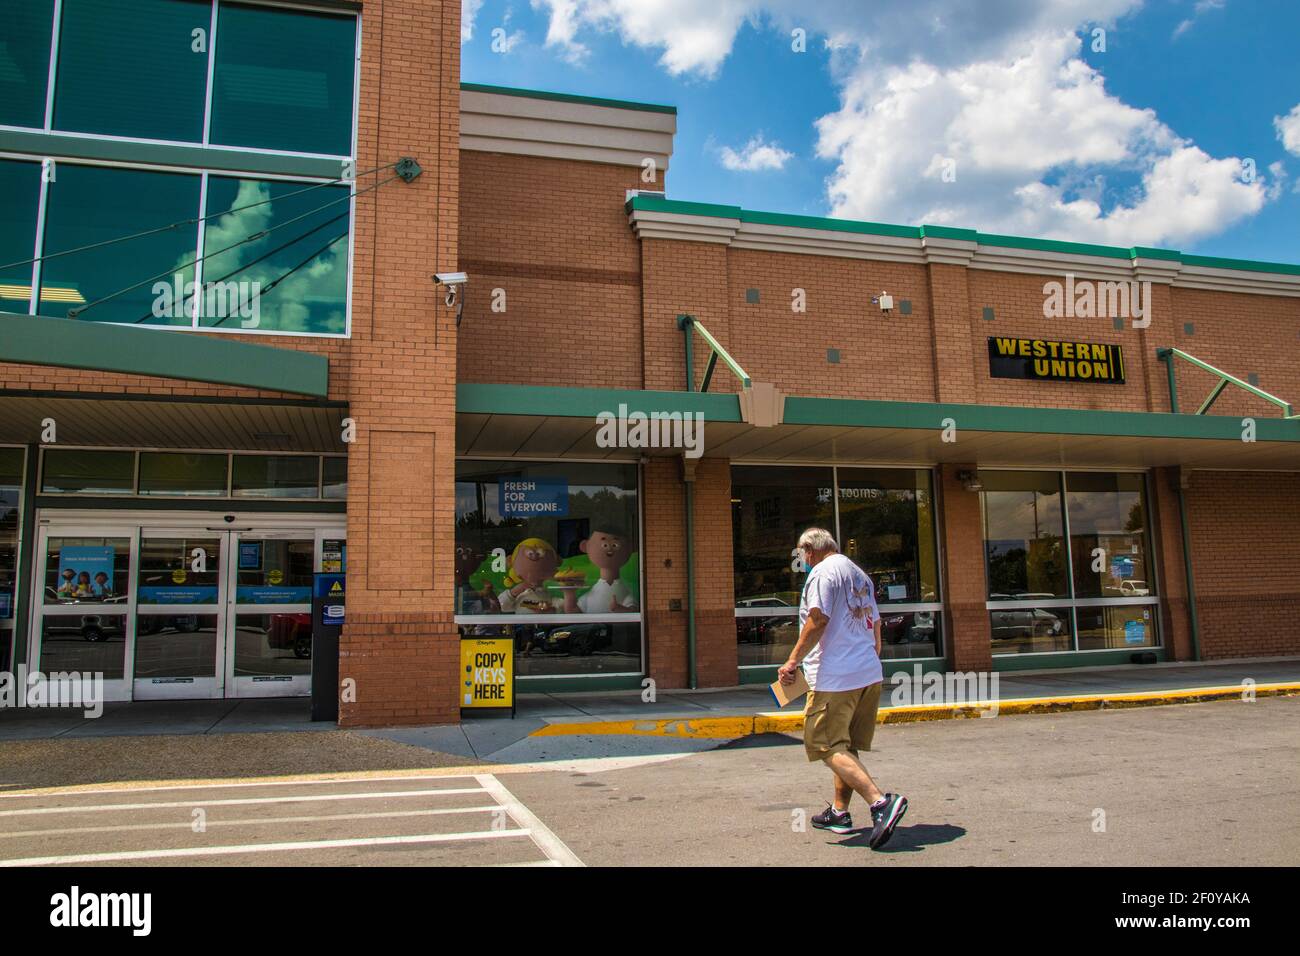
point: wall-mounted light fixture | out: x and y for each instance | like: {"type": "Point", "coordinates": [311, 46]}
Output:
{"type": "Point", "coordinates": [970, 480]}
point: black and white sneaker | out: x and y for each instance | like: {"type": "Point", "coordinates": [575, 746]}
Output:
{"type": "Point", "coordinates": [886, 817]}
{"type": "Point", "coordinates": [837, 821]}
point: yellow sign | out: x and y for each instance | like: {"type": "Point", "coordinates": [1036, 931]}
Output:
{"type": "Point", "coordinates": [178, 576]}
{"type": "Point", "coordinates": [275, 577]}
{"type": "Point", "coordinates": [487, 672]}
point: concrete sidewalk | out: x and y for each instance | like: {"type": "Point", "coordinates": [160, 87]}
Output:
{"type": "Point", "coordinates": [558, 726]}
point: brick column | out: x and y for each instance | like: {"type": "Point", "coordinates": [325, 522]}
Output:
{"type": "Point", "coordinates": [715, 598]}
{"type": "Point", "coordinates": [954, 356]}
{"type": "Point", "coordinates": [1167, 542]}
{"type": "Point", "coordinates": [663, 503]}
{"type": "Point", "coordinates": [399, 652]}
{"type": "Point", "coordinates": [967, 632]}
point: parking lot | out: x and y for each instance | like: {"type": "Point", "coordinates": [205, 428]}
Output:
{"type": "Point", "coordinates": [426, 820]}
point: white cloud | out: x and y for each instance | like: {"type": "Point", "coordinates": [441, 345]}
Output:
{"type": "Point", "coordinates": [996, 92]}
{"type": "Point", "coordinates": [1288, 130]}
{"type": "Point", "coordinates": [755, 155]}
{"type": "Point", "coordinates": [1202, 6]}
{"type": "Point", "coordinates": [468, 11]}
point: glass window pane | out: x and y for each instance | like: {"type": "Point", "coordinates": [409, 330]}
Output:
{"type": "Point", "coordinates": [284, 80]}
{"type": "Point", "coordinates": [905, 636]}
{"type": "Point", "coordinates": [1107, 515]}
{"type": "Point", "coordinates": [11, 466]}
{"type": "Point", "coordinates": [87, 472]}
{"type": "Point", "coordinates": [1031, 630]}
{"type": "Point", "coordinates": [273, 645]}
{"type": "Point", "coordinates": [170, 646]}
{"type": "Point", "coordinates": [87, 570]}
{"type": "Point", "coordinates": [130, 69]}
{"type": "Point", "coordinates": [887, 529]}
{"type": "Point", "coordinates": [20, 197]}
{"type": "Point", "coordinates": [569, 532]}
{"type": "Point", "coordinates": [179, 570]}
{"type": "Point", "coordinates": [25, 62]}
{"type": "Point", "coordinates": [297, 276]}
{"type": "Point", "coordinates": [90, 204]}
{"type": "Point", "coordinates": [275, 570]}
{"type": "Point", "coordinates": [9, 517]}
{"type": "Point", "coordinates": [770, 508]}
{"type": "Point", "coordinates": [1023, 535]}
{"type": "Point", "coordinates": [91, 643]}
{"type": "Point", "coordinates": [275, 476]}
{"type": "Point", "coordinates": [573, 647]}
{"type": "Point", "coordinates": [173, 474]}
{"type": "Point", "coordinates": [765, 640]}
{"type": "Point", "coordinates": [1122, 627]}
{"type": "Point", "coordinates": [334, 478]}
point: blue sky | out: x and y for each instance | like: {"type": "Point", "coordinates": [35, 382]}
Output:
{"type": "Point", "coordinates": [998, 115]}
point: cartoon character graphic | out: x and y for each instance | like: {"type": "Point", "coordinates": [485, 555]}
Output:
{"type": "Point", "coordinates": [102, 587]}
{"type": "Point", "coordinates": [469, 601]}
{"type": "Point", "coordinates": [608, 550]}
{"type": "Point", "coordinates": [531, 563]}
{"type": "Point", "coordinates": [68, 584]}
{"type": "Point", "coordinates": [83, 588]}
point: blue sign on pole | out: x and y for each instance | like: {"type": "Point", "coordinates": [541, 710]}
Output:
{"type": "Point", "coordinates": [533, 497]}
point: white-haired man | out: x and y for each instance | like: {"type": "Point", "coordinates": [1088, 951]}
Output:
{"type": "Point", "coordinates": [839, 648]}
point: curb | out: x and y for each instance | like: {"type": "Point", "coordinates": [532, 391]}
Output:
{"type": "Point", "coordinates": [729, 727]}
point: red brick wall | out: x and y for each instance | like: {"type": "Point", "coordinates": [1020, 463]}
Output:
{"type": "Point", "coordinates": [1245, 527]}
{"type": "Point", "coordinates": [553, 236]}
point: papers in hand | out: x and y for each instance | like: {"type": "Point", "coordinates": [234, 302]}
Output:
{"type": "Point", "coordinates": [785, 693]}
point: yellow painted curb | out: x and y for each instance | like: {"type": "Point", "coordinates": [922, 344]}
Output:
{"type": "Point", "coordinates": [731, 727]}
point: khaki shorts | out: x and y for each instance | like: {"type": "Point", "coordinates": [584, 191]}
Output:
{"type": "Point", "coordinates": [836, 721]}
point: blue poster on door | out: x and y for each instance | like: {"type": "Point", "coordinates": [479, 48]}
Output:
{"type": "Point", "coordinates": [533, 497]}
{"type": "Point", "coordinates": [85, 573]}
{"type": "Point", "coordinates": [250, 555]}
{"type": "Point", "coordinates": [1135, 632]}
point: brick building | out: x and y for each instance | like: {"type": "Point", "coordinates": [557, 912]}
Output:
{"type": "Point", "coordinates": [1025, 490]}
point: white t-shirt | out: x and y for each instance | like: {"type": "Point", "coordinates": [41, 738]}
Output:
{"type": "Point", "coordinates": [845, 658]}
{"type": "Point", "coordinates": [603, 596]}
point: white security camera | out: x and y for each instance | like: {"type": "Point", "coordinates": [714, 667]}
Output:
{"type": "Point", "coordinates": [451, 278]}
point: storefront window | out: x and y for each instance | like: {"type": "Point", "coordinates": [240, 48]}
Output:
{"type": "Point", "coordinates": [334, 478]}
{"type": "Point", "coordinates": [275, 476]}
{"type": "Point", "coordinates": [25, 63]}
{"type": "Point", "coordinates": [300, 270]}
{"type": "Point", "coordinates": [11, 481]}
{"type": "Point", "coordinates": [885, 524]}
{"type": "Point", "coordinates": [557, 546]}
{"type": "Point", "coordinates": [144, 53]}
{"type": "Point", "coordinates": [89, 205]}
{"type": "Point", "coordinates": [1046, 593]}
{"type": "Point", "coordinates": [1023, 535]}
{"type": "Point", "coordinates": [265, 99]}
{"type": "Point", "coordinates": [174, 474]}
{"type": "Point", "coordinates": [1107, 535]}
{"type": "Point", "coordinates": [20, 194]}
{"type": "Point", "coordinates": [75, 471]}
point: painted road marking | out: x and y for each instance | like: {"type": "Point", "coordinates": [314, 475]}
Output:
{"type": "Point", "coordinates": [259, 848]}
{"type": "Point", "coordinates": [249, 821]}
{"type": "Point", "coordinates": [541, 834]}
{"type": "Point", "coordinates": [315, 780]}
{"type": "Point", "coordinates": [171, 805]}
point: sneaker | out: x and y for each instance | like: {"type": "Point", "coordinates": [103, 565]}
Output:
{"type": "Point", "coordinates": [886, 817]}
{"type": "Point", "coordinates": [837, 821]}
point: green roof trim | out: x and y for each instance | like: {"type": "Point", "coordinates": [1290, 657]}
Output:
{"type": "Point", "coordinates": [105, 347]}
{"type": "Point", "coordinates": [564, 402]}
{"type": "Point", "coordinates": [569, 98]}
{"type": "Point", "coordinates": [567, 402]}
{"type": "Point", "coordinates": [659, 204]}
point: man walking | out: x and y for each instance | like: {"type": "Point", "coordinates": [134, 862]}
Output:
{"type": "Point", "coordinates": [839, 647]}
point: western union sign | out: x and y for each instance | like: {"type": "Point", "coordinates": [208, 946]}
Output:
{"type": "Point", "coordinates": [1055, 361]}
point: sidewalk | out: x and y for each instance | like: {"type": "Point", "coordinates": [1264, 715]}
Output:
{"type": "Point", "coordinates": [561, 725]}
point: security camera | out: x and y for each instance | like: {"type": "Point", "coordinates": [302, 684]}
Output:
{"type": "Point", "coordinates": [451, 278]}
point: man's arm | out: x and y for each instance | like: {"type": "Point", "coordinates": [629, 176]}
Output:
{"type": "Point", "coordinates": [812, 632]}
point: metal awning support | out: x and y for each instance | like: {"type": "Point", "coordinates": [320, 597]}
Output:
{"type": "Point", "coordinates": [1167, 355]}
{"type": "Point", "coordinates": [688, 322]}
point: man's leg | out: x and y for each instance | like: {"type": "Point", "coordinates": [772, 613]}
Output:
{"type": "Point", "coordinates": [843, 792]}
{"type": "Point", "coordinates": [848, 770]}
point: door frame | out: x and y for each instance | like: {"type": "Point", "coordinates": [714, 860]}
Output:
{"type": "Point", "coordinates": [130, 524]}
